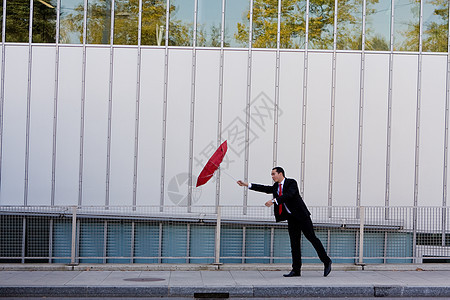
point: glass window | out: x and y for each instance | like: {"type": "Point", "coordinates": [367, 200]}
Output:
{"type": "Point", "coordinates": [321, 24]}
{"type": "Point", "coordinates": [349, 25]}
{"type": "Point", "coordinates": [292, 24]}
{"type": "Point", "coordinates": [378, 25]}
{"type": "Point", "coordinates": [435, 26]}
{"type": "Point", "coordinates": [44, 21]}
{"type": "Point", "coordinates": [265, 23]}
{"type": "Point", "coordinates": [99, 22]}
{"type": "Point", "coordinates": [153, 22]}
{"type": "Point", "coordinates": [209, 19]}
{"type": "Point", "coordinates": [71, 21]}
{"type": "Point", "coordinates": [406, 25]}
{"type": "Point", "coordinates": [237, 16]}
{"type": "Point", "coordinates": [126, 20]}
{"type": "Point", "coordinates": [17, 20]}
{"type": "Point", "coordinates": [181, 26]}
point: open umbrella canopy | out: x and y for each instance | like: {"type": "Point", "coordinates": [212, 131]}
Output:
{"type": "Point", "coordinates": [212, 165]}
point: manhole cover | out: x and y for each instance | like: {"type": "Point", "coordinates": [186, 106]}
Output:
{"type": "Point", "coordinates": [144, 279]}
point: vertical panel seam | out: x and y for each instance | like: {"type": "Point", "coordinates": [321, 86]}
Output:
{"type": "Point", "coordinates": [418, 104]}
{"type": "Point", "coordinates": [27, 136]}
{"type": "Point", "coordinates": [332, 109]}
{"type": "Point", "coordinates": [110, 106]}
{"type": "Point", "coordinates": [137, 112]}
{"type": "Point", "coordinates": [389, 119]}
{"type": "Point", "coordinates": [83, 98]}
{"type": "Point", "coordinates": [220, 100]}
{"type": "Point", "coordinates": [447, 96]}
{"type": "Point", "coordinates": [277, 89]}
{"type": "Point", "coordinates": [361, 107]}
{"type": "Point", "coordinates": [192, 109]}
{"type": "Point", "coordinates": [304, 104]}
{"type": "Point", "coordinates": [164, 125]}
{"type": "Point", "coordinates": [247, 106]}
{"type": "Point", "coordinates": [445, 175]}
{"type": "Point", "coordinates": [55, 105]}
{"type": "Point", "coordinates": [2, 95]}
{"type": "Point", "coordinates": [55, 124]}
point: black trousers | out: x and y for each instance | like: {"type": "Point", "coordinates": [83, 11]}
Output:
{"type": "Point", "coordinates": [295, 228]}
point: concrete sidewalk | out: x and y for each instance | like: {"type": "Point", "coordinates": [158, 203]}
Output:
{"type": "Point", "coordinates": [230, 281]}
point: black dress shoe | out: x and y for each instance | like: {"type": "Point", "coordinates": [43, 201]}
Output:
{"type": "Point", "coordinates": [292, 274]}
{"type": "Point", "coordinates": [327, 269]}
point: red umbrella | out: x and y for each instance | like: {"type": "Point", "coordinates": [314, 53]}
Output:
{"type": "Point", "coordinates": [212, 165]}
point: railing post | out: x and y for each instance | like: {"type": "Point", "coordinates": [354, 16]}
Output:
{"type": "Point", "coordinates": [361, 234]}
{"type": "Point", "coordinates": [217, 241]}
{"type": "Point", "coordinates": [414, 245]}
{"type": "Point", "coordinates": [444, 227]}
{"type": "Point", "coordinates": [74, 235]}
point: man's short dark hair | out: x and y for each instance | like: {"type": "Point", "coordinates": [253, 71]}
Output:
{"type": "Point", "coordinates": [279, 170]}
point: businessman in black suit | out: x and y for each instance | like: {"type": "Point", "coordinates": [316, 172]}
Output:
{"type": "Point", "coordinates": [290, 206]}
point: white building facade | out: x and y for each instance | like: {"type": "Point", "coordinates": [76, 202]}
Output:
{"type": "Point", "coordinates": [109, 103]}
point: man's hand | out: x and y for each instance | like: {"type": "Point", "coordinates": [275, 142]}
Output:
{"type": "Point", "coordinates": [268, 203]}
{"type": "Point", "coordinates": [242, 183]}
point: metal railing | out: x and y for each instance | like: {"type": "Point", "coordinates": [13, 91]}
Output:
{"type": "Point", "coordinates": [226, 234]}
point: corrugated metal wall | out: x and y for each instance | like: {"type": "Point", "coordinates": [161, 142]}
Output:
{"type": "Point", "coordinates": [94, 133]}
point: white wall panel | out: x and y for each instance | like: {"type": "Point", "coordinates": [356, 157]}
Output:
{"type": "Point", "coordinates": [233, 122]}
{"type": "Point", "coordinates": [123, 126]}
{"type": "Point", "coordinates": [95, 126]}
{"type": "Point", "coordinates": [68, 126]}
{"type": "Point", "coordinates": [318, 128]}
{"type": "Point", "coordinates": [14, 125]}
{"type": "Point", "coordinates": [403, 132]}
{"type": "Point", "coordinates": [346, 126]}
{"type": "Point", "coordinates": [150, 127]}
{"type": "Point", "coordinates": [178, 127]}
{"type": "Point", "coordinates": [290, 121]}
{"type": "Point", "coordinates": [262, 106]}
{"type": "Point", "coordinates": [374, 141]}
{"type": "Point", "coordinates": [432, 130]}
{"type": "Point", "coordinates": [41, 126]}
{"type": "Point", "coordinates": [206, 124]}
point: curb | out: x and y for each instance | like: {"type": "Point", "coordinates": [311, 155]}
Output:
{"type": "Point", "coordinates": [243, 291]}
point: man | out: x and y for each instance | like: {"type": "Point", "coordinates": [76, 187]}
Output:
{"type": "Point", "coordinates": [290, 206]}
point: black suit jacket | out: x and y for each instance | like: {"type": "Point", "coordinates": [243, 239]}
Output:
{"type": "Point", "coordinates": [290, 197]}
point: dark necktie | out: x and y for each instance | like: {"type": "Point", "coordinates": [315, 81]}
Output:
{"type": "Point", "coordinates": [280, 206]}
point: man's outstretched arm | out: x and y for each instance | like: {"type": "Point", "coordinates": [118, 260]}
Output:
{"type": "Point", "coordinates": [259, 188]}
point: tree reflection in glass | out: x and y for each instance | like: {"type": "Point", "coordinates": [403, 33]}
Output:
{"type": "Point", "coordinates": [44, 21]}
{"type": "Point", "coordinates": [71, 22]}
{"type": "Point", "coordinates": [181, 24]}
{"type": "Point", "coordinates": [406, 25]}
{"type": "Point", "coordinates": [99, 22]}
{"type": "Point", "coordinates": [435, 26]}
{"type": "Point", "coordinates": [349, 25]}
{"type": "Point", "coordinates": [209, 19]}
{"type": "Point", "coordinates": [153, 22]}
{"type": "Point", "coordinates": [292, 24]}
{"type": "Point", "coordinates": [126, 19]}
{"type": "Point", "coordinates": [265, 23]}
{"type": "Point", "coordinates": [17, 21]}
{"type": "Point", "coordinates": [321, 24]}
{"type": "Point", "coordinates": [378, 29]}
{"type": "Point", "coordinates": [237, 16]}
